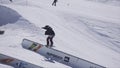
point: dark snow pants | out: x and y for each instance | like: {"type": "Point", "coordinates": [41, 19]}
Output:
{"type": "Point", "coordinates": [50, 40]}
{"type": "Point", "coordinates": [54, 3]}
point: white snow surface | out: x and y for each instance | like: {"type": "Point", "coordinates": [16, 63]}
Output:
{"type": "Point", "coordinates": [109, 2]}
{"type": "Point", "coordinates": [5, 66]}
{"type": "Point", "coordinates": [31, 57]}
{"type": "Point", "coordinates": [85, 29]}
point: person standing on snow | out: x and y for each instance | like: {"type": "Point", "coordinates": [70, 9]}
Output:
{"type": "Point", "coordinates": [1, 32]}
{"type": "Point", "coordinates": [49, 31]}
{"type": "Point", "coordinates": [54, 3]}
{"type": "Point", "coordinates": [11, 1]}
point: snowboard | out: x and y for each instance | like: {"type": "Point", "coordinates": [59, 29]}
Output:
{"type": "Point", "coordinates": [16, 63]}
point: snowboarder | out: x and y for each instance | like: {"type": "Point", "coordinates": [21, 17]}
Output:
{"type": "Point", "coordinates": [1, 32]}
{"type": "Point", "coordinates": [54, 3]}
{"type": "Point", "coordinates": [11, 1]}
{"type": "Point", "coordinates": [49, 31]}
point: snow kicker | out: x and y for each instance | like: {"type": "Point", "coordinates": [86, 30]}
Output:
{"type": "Point", "coordinates": [59, 56]}
{"type": "Point", "coordinates": [16, 63]}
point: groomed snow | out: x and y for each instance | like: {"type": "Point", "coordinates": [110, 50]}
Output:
{"type": "Point", "coordinates": [31, 57]}
{"type": "Point", "coordinates": [84, 29]}
{"type": "Point", "coordinates": [5, 66]}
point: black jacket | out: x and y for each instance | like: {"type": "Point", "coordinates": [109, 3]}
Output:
{"type": "Point", "coordinates": [55, 1]}
{"type": "Point", "coordinates": [2, 32]}
{"type": "Point", "coordinates": [49, 30]}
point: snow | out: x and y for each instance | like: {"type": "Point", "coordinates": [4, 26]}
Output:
{"type": "Point", "coordinates": [31, 57]}
{"type": "Point", "coordinates": [4, 66]}
{"type": "Point", "coordinates": [85, 29]}
{"type": "Point", "coordinates": [109, 2]}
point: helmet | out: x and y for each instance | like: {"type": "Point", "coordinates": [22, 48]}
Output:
{"type": "Point", "coordinates": [47, 26]}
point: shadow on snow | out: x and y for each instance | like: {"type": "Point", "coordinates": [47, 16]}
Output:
{"type": "Point", "coordinates": [8, 15]}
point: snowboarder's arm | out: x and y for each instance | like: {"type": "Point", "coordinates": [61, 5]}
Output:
{"type": "Point", "coordinates": [43, 28]}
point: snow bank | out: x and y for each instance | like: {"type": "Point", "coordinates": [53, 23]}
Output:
{"type": "Point", "coordinates": [8, 15]}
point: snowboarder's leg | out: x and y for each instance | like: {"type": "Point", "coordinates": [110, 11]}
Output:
{"type": "Point", "coordinates": [53, 3]}
{"type": "Point", "coordinates": [48, 38]}
{"type": "Point", "coordinates": [51, 40]}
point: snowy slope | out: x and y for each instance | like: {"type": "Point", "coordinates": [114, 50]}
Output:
{"type": "Point", "coordinates": [87, 30]}
{"type": "Point", "coordinates": [110, 2]}
{"type": "Point", "coordinates": [30, 57]}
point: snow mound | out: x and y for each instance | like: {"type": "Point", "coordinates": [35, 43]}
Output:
{"type": "Point", "coordinates": [8, 15]}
